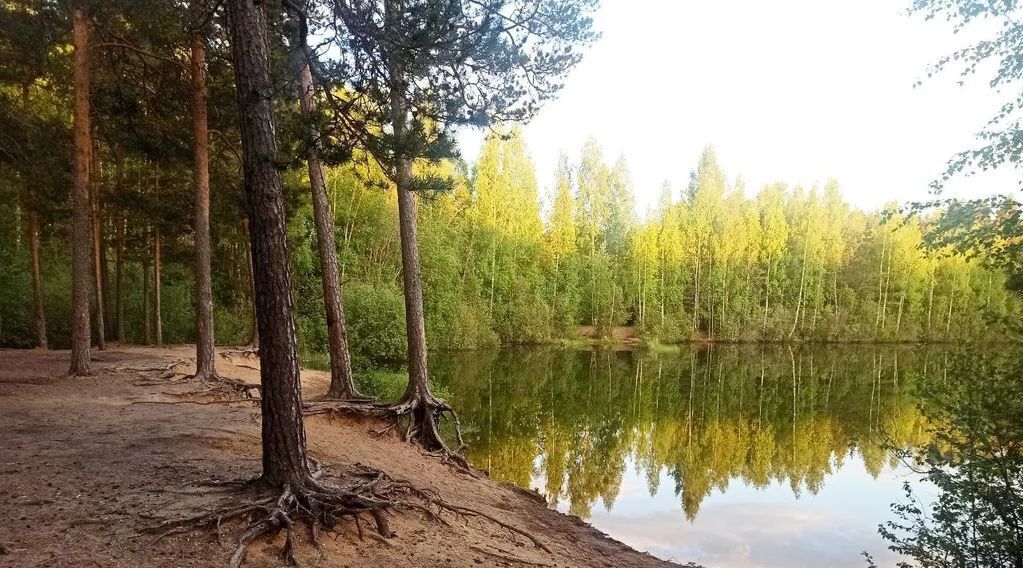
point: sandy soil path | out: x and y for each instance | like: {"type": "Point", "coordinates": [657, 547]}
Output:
{"type": "Point", "coordinates": [86, 463]}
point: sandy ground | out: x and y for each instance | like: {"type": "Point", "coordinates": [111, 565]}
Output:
{"type": "Point", "coordinates": [86, 463]}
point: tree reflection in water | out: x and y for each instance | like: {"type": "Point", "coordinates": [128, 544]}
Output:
{"type": "Point", "coordinates": [759, 414]}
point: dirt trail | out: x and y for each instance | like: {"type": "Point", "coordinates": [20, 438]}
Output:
{"type": "Point", "coordinates": [85, 463]}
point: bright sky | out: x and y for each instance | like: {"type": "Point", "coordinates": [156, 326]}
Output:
{"type": "Point", "coordinates": [792, 90]}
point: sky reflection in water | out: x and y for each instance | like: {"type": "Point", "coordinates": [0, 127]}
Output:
{"type": "Point", "coordinates": [730, 457]}
{"type": "Point", "coordinates": [760, 527]}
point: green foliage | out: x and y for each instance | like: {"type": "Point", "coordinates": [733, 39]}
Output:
{"type": "Point", "coordinates": [385, 385]}
{"type": "Point", "coordinates": [390, 385]}
{"type": "Point", "coordinates": [975, 462]}
{"type": "Point", "coordinates": [376, 321]}
{"type": "Point", "coordinates": [1002, 47]}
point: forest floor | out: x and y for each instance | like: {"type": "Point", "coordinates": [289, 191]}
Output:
{"type": "Point", "coordinates": [86, 463]}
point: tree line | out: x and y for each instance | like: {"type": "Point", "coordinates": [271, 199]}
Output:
{"type": "Point", "coordinates": [507, 262]}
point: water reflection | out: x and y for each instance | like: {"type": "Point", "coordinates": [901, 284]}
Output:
{"type": "Point", "coordinates": [736, 424]}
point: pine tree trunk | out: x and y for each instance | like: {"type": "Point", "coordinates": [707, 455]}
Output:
{"type": "Point", "coordinates": [253, 326]}
{"type": "Point", "coordinates": [108, 305]}
{"type": "Point", "coordinates": [283, 432]}
{"type": "Point", "coordinates": [81, 230]}
{"type": "Point", "coordinates": [204, 338]}
{"type": "Point", "coordinates": [157, 309]}
{"type": "Point", "coordinates": [147, 305]}
{"type": "Point", "coordinates": [342, 382]}
{"type": "Point", "coordinates": [119, 279]}
{"type": "Point", "coordinates": [415, 324]}
{"type": "Point", "coordinates": [38, 303]}
{"type": "Point", "coordinates": [97, 257]}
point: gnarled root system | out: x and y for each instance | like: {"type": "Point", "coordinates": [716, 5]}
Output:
{"type": "Point", "coordinates": [320, 504]}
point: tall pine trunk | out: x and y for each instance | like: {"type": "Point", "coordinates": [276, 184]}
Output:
{"type": "Point", "coordinates": [204, 342]}
{"type": "Point", "coordinates": [97, 257]}
{"type": "Point", "coordinates": [119, 279]}
{"type": "Point", "coordinates": [283, 433]}
{"type": "Point", "coordinates": [415, 323]}
{"type": "Point", "coordinates": [342, 382]}
{"type": "Point", "coordinates": [147, 309]}
{"type": "Point", "coordinates": [158, 311]}
{"type": "Point", "coordinates": [38, 303]}
{"type": "Point", "coordinates": [81, 230]}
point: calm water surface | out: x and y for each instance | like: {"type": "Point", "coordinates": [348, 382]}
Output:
{"type": "Point", "coordinates": [729, 456]}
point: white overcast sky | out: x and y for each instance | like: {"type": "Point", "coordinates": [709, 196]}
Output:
{"type": "Point", "coordinates": [789, 90]}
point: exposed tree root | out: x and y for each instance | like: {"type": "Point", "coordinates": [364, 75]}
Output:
{"type": "Point", "coordinates": [166, 372]}
{"type": "Point", "coordinates": [226, 386]}
{"type": "Point", "coordinates": [199, 402]}
{"type": "Point", "coordinates": [321, 504]}
{"type": "Point", "coordinates": [506, 557]}
{"type": "Point", "coordinates": [251, 351]}
{"type": "Point", "coordinates": [356, 398]}
{"type": "Point", "coordinates": [211, 383]}
{"type": "Point", "coordinates": [420, 414]}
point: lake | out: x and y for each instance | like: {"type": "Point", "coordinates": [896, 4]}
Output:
{"type": "Point", "coordinates": [728, 456]}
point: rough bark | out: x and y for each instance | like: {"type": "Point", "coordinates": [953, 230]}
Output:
{"type": "Point", "coordinates": [147, 305]}
{"type": "Point", "coordinates": [204, 343]}
{"type": "Point", "coordinates": [254, 328]}
{"type": "Point", "coordinates": [38, 303]}
{"type": "Point", "coordinates": [80, 219]}
{"type": "Point", "coordinates": [342, 382]}
{"type": "Point", "coordinates": [119, 279]}
{"type": "Point", "coordinates": [283, 433]}
{"type": "Point", "coordinates": [157, 310]}
{"type": "Point", "coordinates": [97, 257]}
{"type": "Point", "coordinates": [108, 304]}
